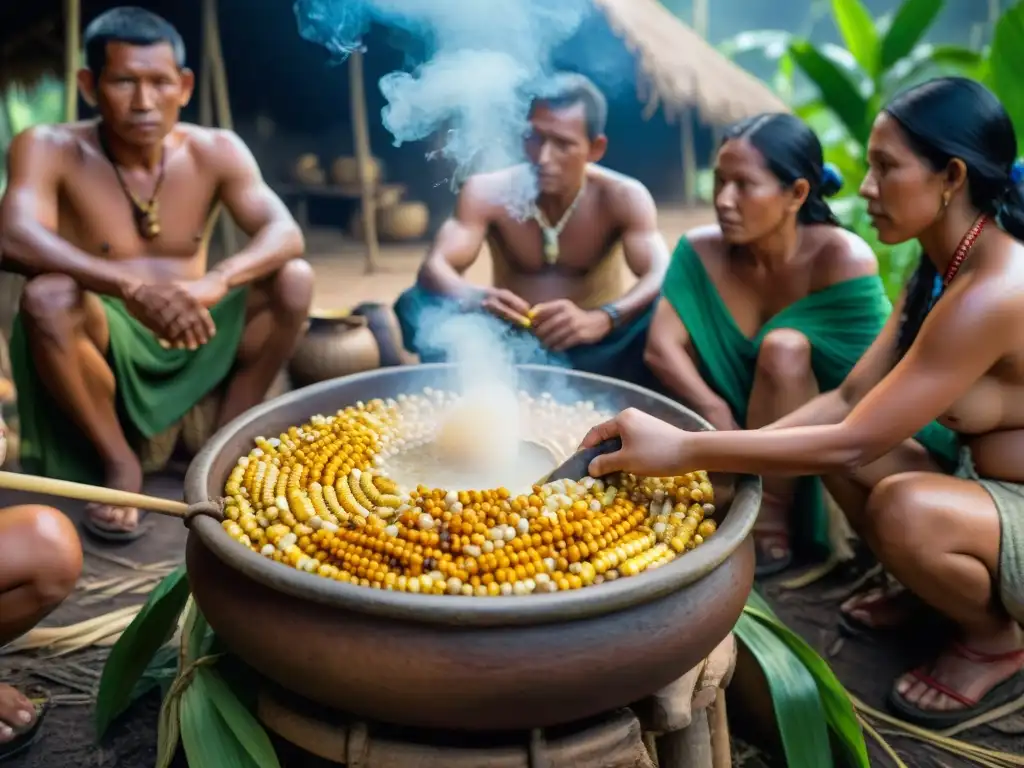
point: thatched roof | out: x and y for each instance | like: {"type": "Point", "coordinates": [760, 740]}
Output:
{"type": "Point", "coordinates": [680, 69]}
{"type": "Point", "coordinates": [684, 70]}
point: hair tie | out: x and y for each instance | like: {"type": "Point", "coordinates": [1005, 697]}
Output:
{"type": "Point", "coordinates": [1017, 172]}
{"type": "Point", "coordinates": [831, 177]}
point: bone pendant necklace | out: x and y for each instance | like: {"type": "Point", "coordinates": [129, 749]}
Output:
{"type": "Point", "coordinates": [552, 233]}
{"type": "Point", "coordinates": [145, 213]}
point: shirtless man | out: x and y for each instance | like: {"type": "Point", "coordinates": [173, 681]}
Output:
{"type": "Point", "coordinates": [122, 328]}
{"type": "Point", "coordinates": [557, 275]}
{"type": "Point", "coordinates": [40, 560]}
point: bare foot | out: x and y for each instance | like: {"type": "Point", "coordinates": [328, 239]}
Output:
{"type": "Point", "coordinates": [880, 607]}
{"type": "Point", "coordinates": [17, 713]}
{"type": "Point", "coordinates": [772, 540]}
{"type": "Point", "coordinates": [124, 476]}
{"type": "Point", "coordinates": [962, 676]}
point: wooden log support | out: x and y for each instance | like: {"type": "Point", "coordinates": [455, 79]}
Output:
{"type": "Point", "coordinates": [688, 716]}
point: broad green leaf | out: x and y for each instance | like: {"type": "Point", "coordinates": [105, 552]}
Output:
{"type": "Point", "coordinates": [168, 732]}
{"type": "Point", "coordinates": [798, 711]}
{"type": "Point", "coordinates": [160, 672]}
{"type": "Point", "coordinates": [138, 644]}
{"type": "Point", "coordinates": [857, 27]}
{"type": "Point", "coordinates": [842, 718]}
{"type": "Point", "coordinates": [1006, 63]}
{"type": "Point", "coordinates": [240, 720]}
{"type": "Point", "coordinates": [208, 740]}
{"type": "Point", "coordinates": [772, 43]}
{"type": "Point", "coordinates": [836, 89]}
{"type": "Point", "coordinates": [928, 61]}
{"type": "Point", "coordinates": [195, 633]}
{"type": "Point", "coordinates": [908, 26]}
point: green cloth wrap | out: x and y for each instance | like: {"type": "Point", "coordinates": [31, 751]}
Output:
{"type": "Point", "coordinates": [1009, 502]}
{"type": "Point", "coordinates": [840, 322]}
{"type": "Point", "coordinates": [156, 387]}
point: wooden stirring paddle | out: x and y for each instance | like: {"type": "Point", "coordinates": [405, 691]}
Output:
{"type": "Point", "coordinates": [13, 481]}
{"type": "Point", "coordinates": [577, 466]}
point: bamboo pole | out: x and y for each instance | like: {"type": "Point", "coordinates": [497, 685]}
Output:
{"type": "Point", "coordinates": [691, 115]}
{"type": "Point", "coordinates": [361, 135]}
{"type": "Point", "coordinates": [216, 80]}
{"type": "Point", "coordinates": [687, 118]}
{"type": "Point", "coordinates": [48, 486]}
{"type": "Point", "coordinates": [72, 57]}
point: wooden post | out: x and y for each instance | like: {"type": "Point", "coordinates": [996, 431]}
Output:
{"type": "Point", "coordinates": [216, 79]}
{"type": "Point", "coordinates": [689, 157]}
{"type": "Point", "coordinates": [361, 134]}
{"type": "Point", "coordinates": [72, 57]}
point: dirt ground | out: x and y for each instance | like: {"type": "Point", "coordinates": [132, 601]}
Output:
{"type": "Point", "coordinates": [67, 739]}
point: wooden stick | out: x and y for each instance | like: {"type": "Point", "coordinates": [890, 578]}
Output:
{"type": "Point", "coordinates": [13, 481]}
{"type": "Point", "coordinates": [72, 58]}
{"type": "Point", "coordinates": [364, 156]}
{"type": "Point", "coordinates": [213, 61]}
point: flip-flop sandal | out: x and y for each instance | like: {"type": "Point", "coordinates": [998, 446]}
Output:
{"type": "Point", "coordinates": [27, 736]}
{"type": "Point", "coordinates": [769, 539]}
{"type": "Point", "coordinates": [939, 720]}
{"type": "Point", "coordinates": [112, 534]}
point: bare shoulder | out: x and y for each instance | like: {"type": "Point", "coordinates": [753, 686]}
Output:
{"type": "Point", "coordinates": [486, 195]}
{"type": "Point", "coordinates": [53, 141]}
{"type": "Point", "coordinates": [707, 242]}
{"type": "Point", "coordinates": [840, 255]}
{"type": "Point", "coordinates": [626, 196]}
{"type": "Point", "coordinates": [216, 148]}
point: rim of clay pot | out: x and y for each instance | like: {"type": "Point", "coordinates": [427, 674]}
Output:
{"type": "Point", "coordinates": [444, 609]}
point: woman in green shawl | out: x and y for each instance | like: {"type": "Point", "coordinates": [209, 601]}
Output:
{"type": "Point", "coordinates": [768, 308]}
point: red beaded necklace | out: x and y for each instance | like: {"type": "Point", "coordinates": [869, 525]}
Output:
{"type": "Point", "coordinates": [963, 249]}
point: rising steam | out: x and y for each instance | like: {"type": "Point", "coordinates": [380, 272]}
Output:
{"type": "Point", "coordinates": [486, 61]}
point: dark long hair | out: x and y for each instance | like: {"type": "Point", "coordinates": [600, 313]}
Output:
{"type": "Point", "coordinates": [791, 151]}
{"type": "Point", "coordinates": [954, 117]}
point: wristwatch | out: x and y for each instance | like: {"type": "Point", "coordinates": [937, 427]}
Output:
{"type": "Point", "coordinates": [613, 313]}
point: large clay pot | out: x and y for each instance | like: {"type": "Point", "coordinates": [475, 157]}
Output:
{"type": "Point", "coordinates": [464, 663]}
{"type": "Point", "coordinates": [399, 222]}
{"type": "Point", "coordinates": [345, 171]}
{"type": "Point", "coordinates": [342, 342]}
{"type": "Point", "coordinates": [402, 222]}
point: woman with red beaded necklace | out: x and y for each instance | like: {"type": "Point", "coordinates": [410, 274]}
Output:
{"type": "Point", "coordinates": [943, 171]}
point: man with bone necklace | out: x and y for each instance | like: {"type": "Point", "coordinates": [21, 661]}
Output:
{"type": "Point", "coordinates": [122, 327]}
{"type": "Point", "coordinates": [558, 295]}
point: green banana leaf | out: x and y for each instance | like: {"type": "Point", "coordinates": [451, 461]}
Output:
{"type": "Point", "coordinates": [837, 90]}
{"type": "Point", "coordinates": [138, 644]}
{"type": "Point", "coordinates": [1006, 63]}
{"type": "Point", "coordinates": [809, 700]}
{"type": "Point", "coordinates": [912, 20]}
{"type": "Point", "coordinates": [857, 27]}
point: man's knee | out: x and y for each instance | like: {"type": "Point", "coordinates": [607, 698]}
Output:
{"type": "Point", "coordinates": [58, 550]}
{"type": "Point", "coordinates": [292, 288]}
{"type": "Point", "coordinates": [784, 355]}
{"type": "Point", "coordinates": [50, 301]}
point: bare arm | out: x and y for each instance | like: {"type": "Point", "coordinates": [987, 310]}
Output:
{"type": "Point", "coordinates": [667, 356]}
{"type": "Point", "coordinates": [832, 407]}
{"type": "Point", "coordinates": [644, 248]}
{"type": "Point", "coordinates": [276, 238]}
{"type": "Point", "coordinates": [29, 217]}
{"type": "Point", "coordinates": [959, 342]}
{"type": "Point", "coordinates": [457, 244]}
